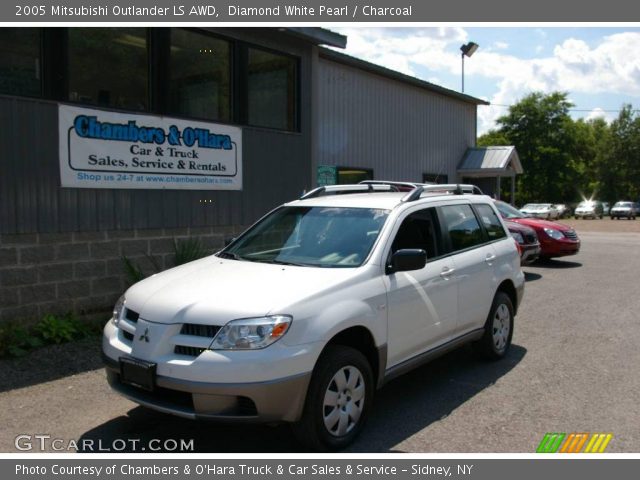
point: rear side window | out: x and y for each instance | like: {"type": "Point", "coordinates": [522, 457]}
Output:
{"type": "Point", "coordinates": [462, 226]}
{"type": "Point", "coordinates": [492, 224]}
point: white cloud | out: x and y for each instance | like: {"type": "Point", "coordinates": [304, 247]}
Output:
{"type": "Point", "coordinates": [501, 45]}
{"type": "Point", "coordinates": [599, 113]}
{"type": "Point", "coordinates": [573, 66]}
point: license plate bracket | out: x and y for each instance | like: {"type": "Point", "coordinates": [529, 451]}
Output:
{"type": "Point", "coordinates": [138, 373]}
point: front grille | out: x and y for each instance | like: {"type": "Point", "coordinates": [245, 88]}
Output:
{"type": "Point", "coordinates": [188, 351]}
{"type": "Point", "coordinates": [530, 238]}
{"type": "Point", "coordinates": [193, 347]}
{"type": "Point", "coordinates": [199, 330]}
{"type": "Point", "coordinates": [571, 234]}
{"type": "Point", "coordinates": [128, 336]}
{"type": "Point", "coordinates": [131, 315]}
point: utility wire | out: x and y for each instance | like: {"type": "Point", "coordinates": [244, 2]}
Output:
{"type": "Point", "coordinates": [570, 109]}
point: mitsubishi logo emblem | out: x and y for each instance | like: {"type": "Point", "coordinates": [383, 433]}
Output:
{"type": "Point", "coordinates": [145, 335]}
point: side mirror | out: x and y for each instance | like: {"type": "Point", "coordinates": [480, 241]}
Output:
{"type": "Point", "coordinates": [229, 241]}
{"type": "Point", "coordinates": [406, 260]}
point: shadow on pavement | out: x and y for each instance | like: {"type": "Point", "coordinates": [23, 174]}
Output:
{"type": "Point", "coordinates": [402, 408]}
{"type": "Point", "coordinates": [532, 277]}
{"type": "Point", "coordinates": [51, 363]}
{"type": "Point", "coordinates": [556, 263]}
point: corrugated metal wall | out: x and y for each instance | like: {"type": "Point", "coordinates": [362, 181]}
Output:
{"type": "Point", "coordinates": [399, 130]}
{"type": "Point", "coordinates": [276, 168]}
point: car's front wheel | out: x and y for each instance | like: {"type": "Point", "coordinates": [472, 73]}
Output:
{"type": "Point", "coordinates": [498, 329]}
{"type": "Point", "coordinates": [338, 400]}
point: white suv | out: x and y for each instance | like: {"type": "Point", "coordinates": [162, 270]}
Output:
{"type": "Point", "coordinates": [317, 305]}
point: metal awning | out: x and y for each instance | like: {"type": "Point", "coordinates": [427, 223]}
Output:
{"type": "Point", "coordinates": [490, 162]}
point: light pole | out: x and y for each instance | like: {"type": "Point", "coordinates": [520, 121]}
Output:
{"type": "Point", "coordinates": [467, 50]}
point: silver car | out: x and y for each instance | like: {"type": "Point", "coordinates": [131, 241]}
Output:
{"type": "Point", "coordinates": [546, 211]}
{"type": "Point", "coordinates": [624, 209]}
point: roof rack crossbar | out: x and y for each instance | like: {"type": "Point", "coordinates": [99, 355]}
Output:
{"type": "Point", "coordinates": [344, 189]}
{"type": "Point", "coordinates": [455, 188]}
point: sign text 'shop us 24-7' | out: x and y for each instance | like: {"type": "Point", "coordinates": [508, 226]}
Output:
{"type": "Point", "coordinates": [103, 149]}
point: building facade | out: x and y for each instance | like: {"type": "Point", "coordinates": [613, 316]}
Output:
{"type": "Point", "coordinates": [288, 111]}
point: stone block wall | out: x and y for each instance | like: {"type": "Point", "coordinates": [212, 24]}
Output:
{"type": "Point", "coordinates": [83, 272]}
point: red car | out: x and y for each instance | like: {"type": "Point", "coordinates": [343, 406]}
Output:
{"type": "Point", "coordinates": [556, 239]}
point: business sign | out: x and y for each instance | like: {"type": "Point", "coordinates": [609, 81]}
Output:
{"type": "Point", "coordinates": [327, 175]}
{"type": "Point", "coordinates": [102, 149]}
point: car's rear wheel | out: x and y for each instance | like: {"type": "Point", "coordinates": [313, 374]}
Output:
{"type": "Point", "coordinates": [338, 400]}
{"type": "Point", "coordinates": [498, 329]}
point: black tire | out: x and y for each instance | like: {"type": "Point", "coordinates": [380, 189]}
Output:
{"type": "Point", "coordinates": [486, 346]}
{"type": "Point", "coordinates": [310, 430]}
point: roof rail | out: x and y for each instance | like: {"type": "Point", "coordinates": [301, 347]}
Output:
{"type": "Point", "coordinates": [413, 194]}
{"type": "Point", "coordinates": [344, 189]}
{"type": "Point", "coordinates": [401, 186]}
{"type": "Point", "coordinates": [452, 188]}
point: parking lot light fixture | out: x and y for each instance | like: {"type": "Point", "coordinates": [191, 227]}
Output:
{"type": "Point", "coordinates": [467, 50]}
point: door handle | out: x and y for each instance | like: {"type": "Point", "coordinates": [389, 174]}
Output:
{"type": "Point", "coordinates": [447, 272]}
{"type": "Point", "coordinates": [490, 258]}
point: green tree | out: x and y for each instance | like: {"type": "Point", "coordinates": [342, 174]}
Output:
{"type": "Point", "coordinates": [541, 129]}
{"type": "Point", "coordinates": [618, 163]}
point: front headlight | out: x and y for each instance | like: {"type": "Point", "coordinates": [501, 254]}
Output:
{"type": "Point", "coordinates": [251, 333]}
{"type": "Point", "coordinates": [118, 308]}
{"type": "Point", "coordinates": [518, 237]}
{"type": "Point", "coordinates": [555, 234]}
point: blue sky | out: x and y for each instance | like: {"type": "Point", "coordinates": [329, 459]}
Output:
{"type": "Point", "coordinates": [599, 67]}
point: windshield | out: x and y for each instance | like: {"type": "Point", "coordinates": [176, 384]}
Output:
{"type": "Point", "coordinates": [311, 236]}
{"type": "Point", "coordinates": [533, 206]}
{"type": "Point", "coordinates": [507, 211]}
{"type": "Point", "coordinates": [623, 204]}
{"type": "Point", "coordinates": [586, 205]}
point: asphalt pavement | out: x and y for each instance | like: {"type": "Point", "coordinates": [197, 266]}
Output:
{"type": "Point", "coordinates": [573, 367]}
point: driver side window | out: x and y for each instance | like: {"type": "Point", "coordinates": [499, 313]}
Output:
{"type": "Point", "coordinates": [419, 230]}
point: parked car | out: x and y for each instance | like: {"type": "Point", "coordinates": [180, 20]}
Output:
{"type": "Point", "coordinates": [589, 209]}
{"type": "Point", "coordinates": [527, 239]}
{"type": "Point", "coordinates": [556, 239]}
{"type": "Point", "coordinates": [606, 208]}
{"type": "Point", "coordinates": [624, 209]}
{"type": "Point", "coordinates": [322, 301]}
{"type": "Point", "coordinates": [540, 210]}
{"type": "Point", "coordinates": [563, 210]}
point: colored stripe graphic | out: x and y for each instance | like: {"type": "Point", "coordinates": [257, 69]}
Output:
{"type": "Point", "coordinates": [573, 442]}
{"type": "Point", "coordinates": [550, 443]}
{"type": "Point", "coordinates": [598, 443]}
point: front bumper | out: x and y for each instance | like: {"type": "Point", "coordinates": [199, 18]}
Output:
{"type": "Point", "coordinates": [530, 253]}
{"type": "Point", "coordinates": [590, 214]}
{"type": "Point", "coordinates": [267, 385]}
{"type": "Point", "coordinates": [622, 213]}
{"type": "Point", "coordinates": [559, 248]}
{"type": "Point", "coordinates": [271, 401]}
